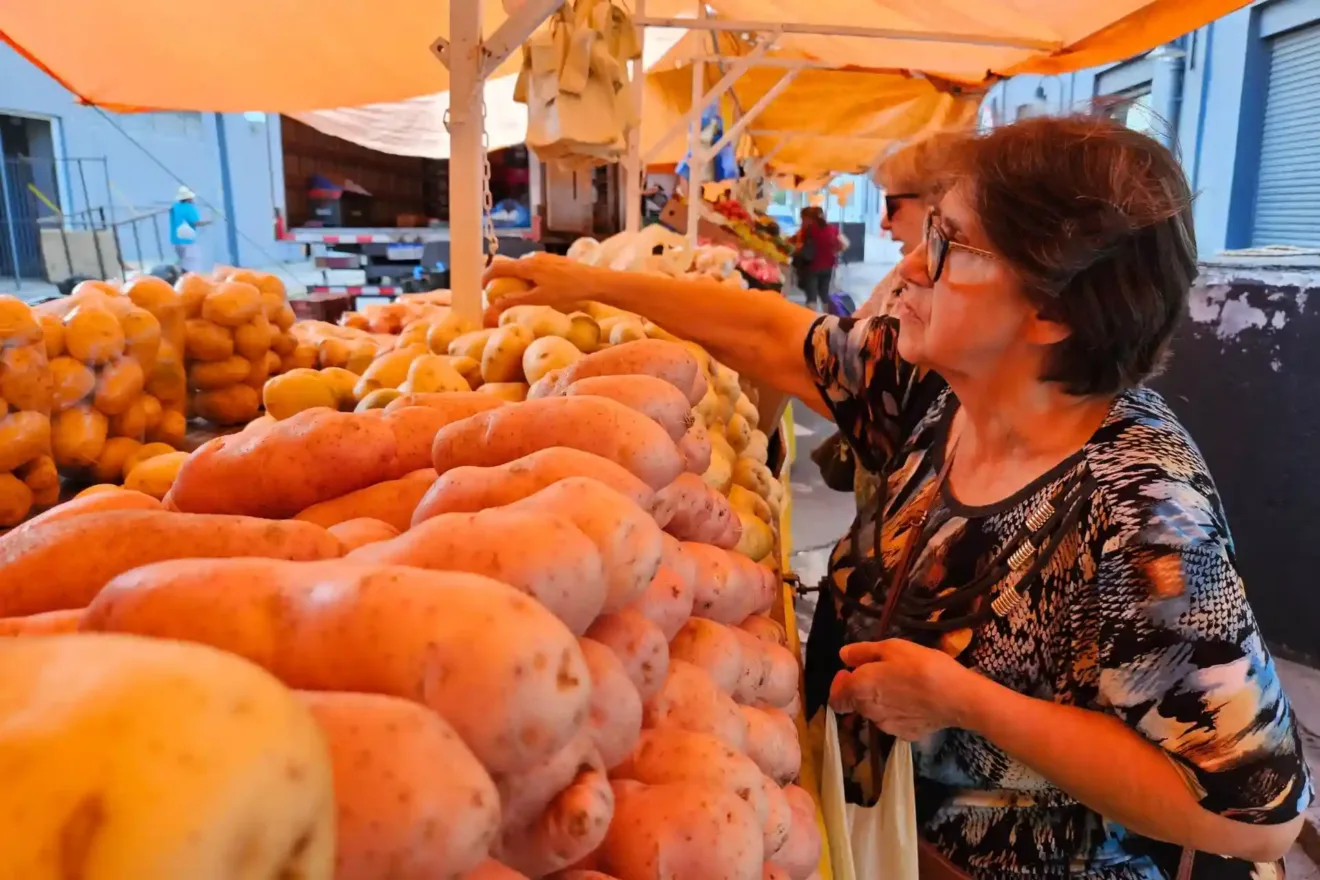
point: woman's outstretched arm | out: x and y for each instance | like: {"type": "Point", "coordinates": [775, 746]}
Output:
{"type": "Point", "coordinates": [757, 333]}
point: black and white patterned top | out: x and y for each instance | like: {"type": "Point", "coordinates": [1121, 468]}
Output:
{"type": "Point", "coordinates": [1140, 613]}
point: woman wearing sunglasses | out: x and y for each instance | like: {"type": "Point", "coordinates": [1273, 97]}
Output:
{"type": "Point", "coordinates": [1043, 599]}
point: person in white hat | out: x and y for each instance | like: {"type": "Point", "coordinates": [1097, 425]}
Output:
{"type": "Point", "coordinates": [185, 220]}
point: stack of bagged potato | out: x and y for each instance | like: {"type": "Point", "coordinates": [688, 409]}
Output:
{"type": "Point", "coordinates": [28, 476]}
{"type": "Point", "coordinates": [115, 378]}
{"type": "Point", "coordinates": [545, 652]}
{"type": "Point", "coordinates": [237, 332]}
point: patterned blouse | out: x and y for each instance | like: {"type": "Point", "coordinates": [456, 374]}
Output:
{"type": "Point", "coordinates": [1139, 612]}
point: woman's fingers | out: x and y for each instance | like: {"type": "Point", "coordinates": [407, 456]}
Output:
{"type": "Point", "coordinates": [842, 696]}
{"type": "Point", "coordinates": [856, 654]}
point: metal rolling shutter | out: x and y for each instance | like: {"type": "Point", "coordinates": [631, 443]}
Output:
{"type": "Point", "coordinates": [1288, 194]}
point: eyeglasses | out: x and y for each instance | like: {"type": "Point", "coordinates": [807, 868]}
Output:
{"type": "Point", "coordinates": [938, 246]}
{"type": "Point", "coordinates": [892, 201]}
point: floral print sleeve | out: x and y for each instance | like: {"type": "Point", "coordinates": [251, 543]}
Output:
{"type": "Point", "coordinates": [864, 382]}
{"type": "Point", "coordinates": [1182, 662]}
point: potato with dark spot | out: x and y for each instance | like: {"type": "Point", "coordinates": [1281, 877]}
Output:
{"type": "Point", "coordinates": [413, 801]}
{"type": "Point", "coordinates": [172, 760]}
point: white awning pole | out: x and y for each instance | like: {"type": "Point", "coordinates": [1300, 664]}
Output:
{"type": "Point", "coordinates": [697, 156]}
{"type": "Point", "coordinates": [844, 30]}
{"type": "Point", "coordinates": [466, 202]}
{"type": "Point", "coordinates": [632, 165]}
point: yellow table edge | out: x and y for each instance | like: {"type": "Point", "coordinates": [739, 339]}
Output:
{"type": "Point", "coordinates": [810, 776]}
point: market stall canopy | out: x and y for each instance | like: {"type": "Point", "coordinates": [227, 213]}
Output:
{"type": "Point", "coordinates": [298, 55]}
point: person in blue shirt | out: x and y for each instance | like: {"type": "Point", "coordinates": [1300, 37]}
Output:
{"type": "Point", "coordinates": [185, 220]}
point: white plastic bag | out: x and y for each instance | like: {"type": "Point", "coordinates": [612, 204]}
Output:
{"type": "Point", "coordinates": [882, 841]}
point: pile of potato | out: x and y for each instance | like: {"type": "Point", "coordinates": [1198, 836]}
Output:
{"type": "Point", "coordinates": [28, 476]}
{"type": "Point", "coordinates": [237, 333]}
{"type": "Point", "coordinates": [533, 635]}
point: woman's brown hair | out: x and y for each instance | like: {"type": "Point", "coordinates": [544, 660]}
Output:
{"type": "Point", "coordinates": [1095, 220]}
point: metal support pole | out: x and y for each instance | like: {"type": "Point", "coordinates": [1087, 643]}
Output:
{"type": "Point", "coordinates": [632, 164]}
{"type": "Point", "coordinates": [731, 135]}
{"type": "Point", "coordinates": [702, 100]}
{"type": "Point", "coordinates": [466, 206]}
{"type": "Point", "coordinates": [844, 30]}
{"type": "Point", "coordinates": [697, 155]}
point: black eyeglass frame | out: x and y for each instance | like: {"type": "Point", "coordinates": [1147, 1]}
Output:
{"type": "Point", "coordinates": [938, 246]}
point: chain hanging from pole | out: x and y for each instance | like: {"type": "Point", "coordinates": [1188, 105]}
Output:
{"type": "Point", "coordinates": [487, 199]}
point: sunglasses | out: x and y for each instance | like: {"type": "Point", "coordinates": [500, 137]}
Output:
{"type": "Point", "coordinates": [938, 246]}
{"type": "Point", "coordinates": [892, 201]}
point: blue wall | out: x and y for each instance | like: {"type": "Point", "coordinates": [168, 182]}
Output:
{"type": "Point", "coordinates": [1215, 106]}
{"type": "Point", "coordinates": [134, 179]}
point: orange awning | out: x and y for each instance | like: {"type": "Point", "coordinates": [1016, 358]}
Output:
{"type": "Point", "coordinates": [295, 55]}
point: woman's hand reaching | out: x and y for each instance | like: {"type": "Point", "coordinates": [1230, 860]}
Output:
{"type": "Point", "coordinates": [550, 280]}
{"type": "Point", "coordinates": [907, 690]}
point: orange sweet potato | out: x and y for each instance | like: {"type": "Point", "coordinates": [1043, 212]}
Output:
{"type": "Point", "coordinates": [681, 830]}
{"type": "Point", "coordinates": [729, 586]}
{"type": "Point", "coordinates": [50, 623]}
{"type": "Point", "coordinates": [591, 424]}
{"type": "Point", "coordinates": [772, 742]}
{"type": "Point", "coordinates": [639, 645]}
{"type": "Point", "coordinates": [111, 499]}
{"type": "Point", "coordinates": [391, 501]}
{"type": "Point", "coordinates": [654, 398]}
{"type": "Point", "coordinates": [571, 828]}
{"type": "Point", "coordinates": [413, 801]}
{"type": "Point", "coordinates": [615, 721]}
{"type": "Point", "coordinates": [629, 541]}
{"type": "Point", "coordinates": [695, 448]}
{"type": "Point", "coordinates": [542, 555]}
{"type": "Point", "coordinates": [466, 489]}
{"type": "Point", "coordinates": [800, 854]}
{"type": "Point", "coordinates": [356, 533]}
{"type": "Point", "coordinates": [493, 870]}
{"type": "Point", "coordinates": [667, 602]}
{"type": "Point", "coordinates": [314, 456]}
{"type": "Point", "coordinates": [669, 361]}
{"type": "Point", "coordinates": [495, 664]}
{"type": "Point", "coordinates": [689, 700]}
{"type": "Point", "coordinates": [698, 513]}
{"type": "Point", "coordinates": [64, 564]}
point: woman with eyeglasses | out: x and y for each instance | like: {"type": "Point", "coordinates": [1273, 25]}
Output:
{"type": "Point", "coordinates": [1044, 599]}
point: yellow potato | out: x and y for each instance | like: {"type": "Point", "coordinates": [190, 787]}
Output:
{"type": "Point", "coordinates": [211, 375]}
{"type": "Point", "coordinates": [25, 379]}
{"type": "Point", "coordinates": [235, 405]}
{"type": "Point", "coordinates": [18, 326]}
{"type": "Point", "coordinates": [546, 354]}
{"type": "Point", "coordinates": [756, 541]}
{"type": "Point", "coordinates": [98, 489]}
{"type": "Point", "coordinates": [15, 500]}
{"type": "Point", "coordinates": [504, 287]}
{"type": "Point", "coordinates": [207, 341]}
{"type": "Point", "coordinates": [168, 382]}
{"type": "Point", "coordinates": [470, 344]}
{"type": "Point", "coordinates": [93, 335]}
{"type": "Point", "coordinates": [468, 368]}
{"type": "Point", "coordinates": [109, 467]}
{"type": "Point", "coordinates": [143, 453]}
{"type": "Point", "coordinates": [583, 332]}
{"type": "Point", "coordinates": [142, 335]}
{"type": "Point", "coordinates": [23, 437]}
{"type": "Point", "coordinates": [52, 331]}
{"type": "Point", "coordinates": [378, 399]}
{"type": "Point", "coordinates": [40, 473]}
{"type": "Point", "coordinates": [172, 429]}
{"type": "Point", "coordinates": [514, 391]}
{"type": "Point", "coordinates": [232, 304]}
{"type": "Point", "coordinates": [119, 384]}
{"type": "Point", "coordinates": [252, 340]}
{"type": "Point", "coordinates": [282, 343]}
{"type": "Point", "coordinates": [152, 409]}
{"type": "Point", "coordinates": [175, 761]}
{"type": "Point", "coordinates": [390, 370]}
{"type": "Point", "coordinates": [71, 382]}
{"type": "Point", "coordinates": [626, 331]}
{"type": "Point", "coordinates": [541, 320]}
{"type": "Point", "coordinates": [433, 373]}
{"type": "Point", "coordinates": [341, 382]}
{"type": "Point", "coordinates": [444, 331]}
{"type": "Point", "coordinates": [360, 356]}
{"type": "Point", "coordinates": [132, 422]}
{"type": "Point", "coordinates": [501, 359]}
{"type": "Point", "coordinates": [332, 352]}
{"type": "Point", "coordinates": [77, 436]}
{"type": "Point", "coordinates": [303, 357]}
{"type": "Point", "coordinates": [284, 318]}
{"type": "Point", "coordinates": [155, 475]}
{"type": "Point", "coordinates": [414, 333]}
{"type": "Point", "coordinates": [296, 391]}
